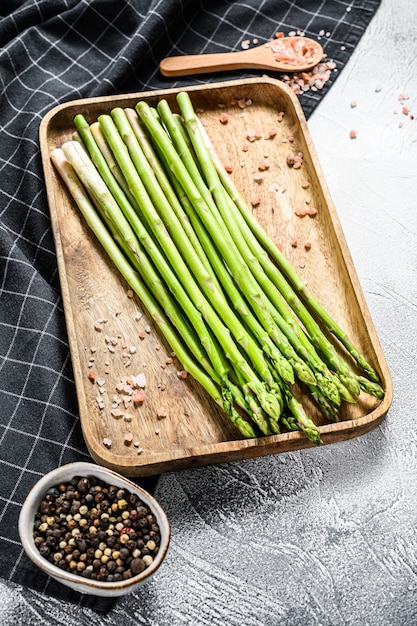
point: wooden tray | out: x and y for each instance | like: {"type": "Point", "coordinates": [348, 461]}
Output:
{"type": "Point", "coordinates": [194, 431]}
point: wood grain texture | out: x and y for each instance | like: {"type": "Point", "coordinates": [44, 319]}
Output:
{"type": "Point", "coordinates": [194, 431]}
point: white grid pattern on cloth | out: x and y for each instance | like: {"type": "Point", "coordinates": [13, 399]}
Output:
{"type": "Point", "coordinates": [53, 51]}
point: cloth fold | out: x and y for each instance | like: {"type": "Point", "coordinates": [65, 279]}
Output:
{"type": "Point", "coordinates": [53, 51]}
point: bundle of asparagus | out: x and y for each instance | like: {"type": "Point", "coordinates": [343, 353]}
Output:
{"type": "Point", "coordinates": [228, 302]}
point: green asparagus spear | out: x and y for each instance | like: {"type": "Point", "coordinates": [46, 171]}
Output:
{"type": "Point", "coordinates": [193, 288]}
{"type": "Point", "coordinates": [133, 280]}
{"type": "Point", "coordinates": [286, 334]}
{"type": "Point", "coordinates": [290, 273]}
{"type": "Point", "coordinates": [110, 210]}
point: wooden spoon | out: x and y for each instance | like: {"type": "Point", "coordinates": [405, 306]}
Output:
{"type": "Point", "coordinates": [288, 54]}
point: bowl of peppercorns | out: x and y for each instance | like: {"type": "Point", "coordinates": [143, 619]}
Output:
{"type": "Point", "coordinates": [93, 530]}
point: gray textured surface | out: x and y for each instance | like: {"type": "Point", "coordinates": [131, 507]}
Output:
{"type": "Point", "coordinates": [325, 536]}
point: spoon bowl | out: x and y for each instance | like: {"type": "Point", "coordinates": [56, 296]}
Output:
{"type": "Point", "coordinates": [287, 54]}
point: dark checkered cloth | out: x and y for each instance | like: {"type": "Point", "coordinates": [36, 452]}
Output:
{"type": "Point", "coordinates": [53, 51]}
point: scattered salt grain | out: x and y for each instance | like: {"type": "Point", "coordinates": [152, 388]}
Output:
{"type": "Point", "coordinates": [263, 165]}
{"type": "Point", "coordinates": [271, 133]}
{"type": "Point", "coordinates": [300, 212]}
{"type": "Point", "coordinates": [139, 380]}
{"type": "Point", "coordinates": [295, 160]}
{"type": "Point", "coordinates": [100, 403]}
{"type": "Point", "coordinates": [128, 438]}
{"type": "Point", "coordinates": [253, 134]}
{"type": "Point", "coordinates": [138, 397]}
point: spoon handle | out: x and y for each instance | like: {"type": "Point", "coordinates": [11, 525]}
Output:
{"type": "Point", "coordinates": [204, 63]}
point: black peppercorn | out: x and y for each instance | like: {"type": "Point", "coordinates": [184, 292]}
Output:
{"type": "Point", "coordinates": [44, 550]}
{"type": "Point", "coordinates": [112, 491]}
{"type": "Point", "coordinates": [124, 553]}
{"type": "Point", "coordinates": [131, 545]}
{"type": "Point", "coordinates": [143, 524]}
{"type": "Point", "coordinates": [46, 507]}
{"type": "Point", "coordinates": [99, 497]}
{"type": "Point", "coordinates": [90, 553]}
{"type": "Point", "coordinates": [65, 506]}
{"type": "Point", "coordinates": [83, 485]}
{"type": "Point", "coordinates": [137, 566]}
{"type": "Point", "coordinates": [81, 545]}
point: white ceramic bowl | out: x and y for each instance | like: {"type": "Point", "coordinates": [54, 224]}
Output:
{"type": "Point", "coordinates": [78, 583]}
